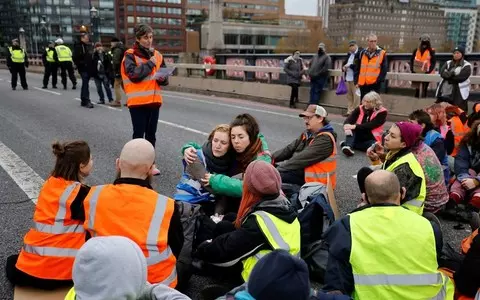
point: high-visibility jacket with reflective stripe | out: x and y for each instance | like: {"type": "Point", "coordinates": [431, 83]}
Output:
{"type": "Point", "coordinates": [325, 169]}
{"type": "Point", "coordinates": [377, 132]}
{"type": "Point", "coordinates": [17, 55]}
{"type": "Point", "coordinates": [464, 86]}
{"type": "Point", "coordinates": [393, 256]}
{"type": "Point", "coordinates": [418, 203]}
{"type": "Point", "coordinates": [51, 245]}
{"type": "Point", "coordinates": [459, 130]}
{"type": "Point", "coordinates": [370, 69]}
{"type": "Point", "coordinates": [71, 295]}
{"type": "Point", "coordinates": [139, 214]}
{"type": "Point", "coordinates": [49, 55]}
{"type": "Point", "coordinates": [146, 91]}
{"type": "Point", "coordinates": [279, 234]}
{"type": "Point", "coordinates": [423, 59]}
{"type": "Point", "coordinates": [63, 53]}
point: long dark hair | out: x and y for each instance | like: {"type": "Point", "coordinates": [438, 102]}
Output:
{"type": "Point", "coordinates": [472, 138]}
{"type": "Point", "coordinates": [70, 155]}
{"type": "Point", "coordinates": [423, 118]}
{"type": "Point", "coordinates": [249, 123]}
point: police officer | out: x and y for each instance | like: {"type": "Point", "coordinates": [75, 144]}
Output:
{"type": "Point", "coordinates": [17, 61]}
{"type": "Point", "coordinates": [50, 64]}
{"type": "Point", "coordinates": [65, 61]}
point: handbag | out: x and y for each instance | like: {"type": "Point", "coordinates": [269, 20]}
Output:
{"type": "Point", "coordinates": [342, 87]}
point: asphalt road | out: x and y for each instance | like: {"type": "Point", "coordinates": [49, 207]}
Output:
{"type": "Point", "coordinates": [31, 120]}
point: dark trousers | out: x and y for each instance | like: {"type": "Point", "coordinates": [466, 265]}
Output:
{"type": "Point", "coordinates": [144, 121]}
{"type": "Point", "coordinates": [67, 66]}
{"type": "Point", "coordinates": [365, 89]}
{"type": "Point", "coordinates": [355, 143]}
{"type": "Point", "coordinates": [293, 177]}
{"type": "Point", "coordinates": [50, 70]}
{"type": "Point", "coordinates": [17, 277]}
{"type": "Point", "coordinates": [85, 92]}
{"type": "Point", "coordinates": [423, 86]}
{"type": "Point", "coordinates": [18, 69]}
{"type": "Point", "coordinates": [294, 93]}
{"type": "Point", "coordinates": [102, 83]}
{"type": "Point", "coordinates": [316, 89]}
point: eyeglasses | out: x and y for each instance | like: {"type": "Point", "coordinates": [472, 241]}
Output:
{"type": "Point", "coordinates": [374, 41]}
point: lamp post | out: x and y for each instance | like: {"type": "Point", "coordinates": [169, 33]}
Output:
{"type": "Point", "coordinates": [21, 33]}
{"type": "Point", "coordinates": [94, 19]}
{"type": "Point", "coordinates": [44, 30]}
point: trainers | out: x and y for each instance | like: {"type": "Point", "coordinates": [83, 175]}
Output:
{"type": "Point", "coordinates": [342, 144]}
{"type": "Point", "coordinates": [115, 104]}
{"type": "Point", "coordinates": [347, 151]}
{"type": "Point", "coordinates": [101, 102]}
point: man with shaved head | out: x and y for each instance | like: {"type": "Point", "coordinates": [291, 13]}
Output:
{"type": "Point", "coordinates": [385, 251]}
{"type": "Point", "coordinates": [131, 208]}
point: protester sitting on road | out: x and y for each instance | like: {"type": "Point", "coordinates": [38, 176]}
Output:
{"type": "Point", "coordinates": [438, 116]}
{"type": "Point", "coordinates": [467, 281]}
{"type": "Point", "coordinates": [364, 126]}
{"type": "Point", "coordinates": [249, 145]}
{"type": "Point", "coordinates": [383, 251]}
{"type": "Point", "coordinates": [265, 221]}
{"type": "Point", "coordinates": [312, 156]}
{"type": "Point", "coordinates": [49, 249]}
{"type": "Point", "coordinates": [400, 140]}
{"type": "Point", "coordinates": [131, 208]}
{"type": "Point", "coordinates": [114, 267]}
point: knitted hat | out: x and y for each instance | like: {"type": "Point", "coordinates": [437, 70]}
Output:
{"type": "Point", "coordinates": [279, 276]}
{"type": "Point", "coordinates": [460, 49]}
{"type": "Point", "coordinates": [410, 132]}
{"type": "Point", "coordinates": [262, 178]}
{"type": "Point", "coordinates": [98, 44]}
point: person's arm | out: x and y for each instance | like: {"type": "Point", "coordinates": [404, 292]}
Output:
{"type": "Point", "coordinates": [383, 69]}
{"type": "Point", "coordinates": [464, 75]}
{"type": "Point", "coordinates": [226, 186]}
{"type": "Point", "coordinates": [77, 55]}
{"type": "Point", "coordinates": [117, 61]}
{"type": "Point", "coordinates": [175, 232]}
{"type": "Point", "coordinates": [163, 81]}
{"type": "Point", "coordinates": [9, 58]}
{"type": "Point", "coordinates": [449, 142]}
{"type": "Point", "coordinates": [77, 210]}
{"type": "Point", "coordinates": [55, 56]}
{"type": "Point", "coordinates": [320, 149]}
{"type": "Point", "coordinates": [438, 146]}
{"type": "Point", "coordinates": [352, 118]}
{"type": "Point", "coordinates": [327, 65]}
{"type": "Point", "coordinates": [287, 152]}
{"type": "Point", "coordinates": [433, 61]}
{"type": "Point", "coordinates": [190, 145]}
{"type": "Point", "coordinates": [378, 121]}
{"type": "Point", "coordinates": [444, 73]}
{"type": "Point", "coordinates": [44, 57]}
{"type": "Point", "coordinates": [137, 73]}
{"type": "Point", "coordinates": [462, 163]}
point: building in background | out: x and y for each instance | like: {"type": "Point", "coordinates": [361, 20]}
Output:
{"type": "Point", "coordinates": [397, 23]}
{"type": "Point", "coordinates": [323, 7]}
{"type": "Point", "coordinates": [166, 17]}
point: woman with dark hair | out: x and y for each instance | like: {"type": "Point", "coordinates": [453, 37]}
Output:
{"type": "Point", "coordinates": [423, 61]}
{"type": "Point", "coordinates": [46, 258]}
{"type": "Point", "coordinates": [294, 68]}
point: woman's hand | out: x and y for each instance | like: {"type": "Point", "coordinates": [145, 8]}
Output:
{"type": "Point", "coordinates": [206, 180]}
{"type": "Point", "coordinates": [349, 127]}
{"type": "Point", "coordinates": [190, 155]}
{"type": "Point", "coordinates": [469, 183]}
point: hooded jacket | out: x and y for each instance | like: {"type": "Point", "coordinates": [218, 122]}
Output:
{"type": "Point", "coordinates": [83, 56]}
{"type": "Point", "coordinates": [114, 267]}
{"type": "Point", "coordinates": [117, 56]}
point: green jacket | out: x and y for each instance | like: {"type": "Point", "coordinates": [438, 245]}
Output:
{"type": "Point", "coordinates": [226, 185]}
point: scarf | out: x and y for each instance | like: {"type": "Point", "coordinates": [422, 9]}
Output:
{"type": "Point", "coordinates": [216, 165]}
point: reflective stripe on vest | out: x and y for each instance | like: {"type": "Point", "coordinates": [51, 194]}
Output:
{"type": "Point", "coordinates": [63, 53]}
{"type": "Point", "coordinates": [459, 130]}
{"type": "Point", "coordinates": [417, 204]}
{"type": "Point", "coordinates": [17, 55]}
{"type": "Point", "coordinates": [49, 55]}
{"type": "Point", "coordinates": [326, 169]}
{"type": "Point", "coordinates": [376, 132]}
{"type": "Point", "coordinates": [370, 68]}
{"type": "Point", "coordinates": [50, 251]}
{"type": "Point", "coordinates": [71, 295]}
{"type": "Point", "coordinates": [423, 59]}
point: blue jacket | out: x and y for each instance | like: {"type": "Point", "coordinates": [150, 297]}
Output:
{"type": "Point", "coordinates": [467, 158]}
{"type": "Point", "coordinates": [435, 140]}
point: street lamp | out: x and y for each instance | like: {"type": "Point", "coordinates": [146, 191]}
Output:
{"type": "Point", "coordinates": [43, 29]}
{"type": "Point", "coordinates": [21, 32]}
{"type": "Point", "coordinates": [94, 17]}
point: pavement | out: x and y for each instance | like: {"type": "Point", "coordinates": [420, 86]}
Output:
{"type": "Point", "coordinates": [31, 120]}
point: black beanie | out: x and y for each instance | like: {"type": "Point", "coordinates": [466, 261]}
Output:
{"type": "Point", "coordinates": [279, 276]}
{"type": "Point", "coordinates": [459, 49]}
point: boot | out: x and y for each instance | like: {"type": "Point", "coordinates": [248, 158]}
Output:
{"type": "Point", "coordinates": [115, 104]}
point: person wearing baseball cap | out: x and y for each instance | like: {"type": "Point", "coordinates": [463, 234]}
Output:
{"type": "Point", "coordinates": [318, 73]}
{"type": "Point", "coordinates": [312, 156]}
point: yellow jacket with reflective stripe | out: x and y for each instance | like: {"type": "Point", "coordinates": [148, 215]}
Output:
{"type": "Point", "coordinates": [393, 256]}
{"type": "Point", "coordinates": [49, 55]}
{"type": "Point", "coordinates": [71, 294]}
{"type": "Point", "coordinates": [279, 234]}
{"type": "Point", "coordinates": [17, 55]}
{"type": "Point", "coordinates": [63, 53]}
{"type": "Point", "coordinates": [418, 203]}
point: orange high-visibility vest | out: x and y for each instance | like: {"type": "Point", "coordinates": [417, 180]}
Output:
{"type": "Point", "coordinates": [424, 59]}
{"type": "Point", "coordinates": [140, 214]}
{"type": "Point", "coordinates": [370, 68]}
{"type": "Point", "coordinates": [146, 91]}
{"type": "Point", "coordinates": [321, 171]}
{"type": "Point", "coordinates": [377, 132]}
{"type": "Point", "coordinates": [459, 130]}
{"type": "Point", "coordinates": [51, 245]}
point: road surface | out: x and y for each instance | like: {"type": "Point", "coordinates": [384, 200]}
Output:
{"type": "Point", "coordinates": [31, 120]}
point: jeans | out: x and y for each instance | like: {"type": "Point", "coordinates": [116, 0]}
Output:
{"type": "Point", "coordinates": [144, 121]}
{"type": "Point", "coordinates": [106, 84]}
{"type": "Point", "coordinates": [354, 143]}
{"type": "Point", "coordinates": [316, 89]}
{"type": "Point", "coordinates": [85, 93]}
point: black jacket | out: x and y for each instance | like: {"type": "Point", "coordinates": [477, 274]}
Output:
{"type": "Point", "coordinates": [10, 63]}
{"type": "Point", "coordinates": [231, 248]}
{"type": "Point", "coordinates": [466, 277]}
{"type": "Point", "coordinates": [117, 56]}
{"type": "Point", "coordinates": [83, 56]}
{"type": "Point", "coordinates": [339, 274]}
{"type": "Point", "coordinates": [104, 59]}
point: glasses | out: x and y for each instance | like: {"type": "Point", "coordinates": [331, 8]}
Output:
{"type": "Point", "coordinates": [373, 41]}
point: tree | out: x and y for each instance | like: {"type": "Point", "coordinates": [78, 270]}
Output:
{"type": "Point", "coordinates": [409, 45]}
{"type": "Point", "coordinates": [305, 40]}
{"type": "Point", "coordinates": [447, 46]}
{"type": "Point", "coordinates": [387, 42]}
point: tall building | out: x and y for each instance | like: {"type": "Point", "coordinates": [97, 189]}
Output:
{"type": "Point", "coordinates": [323, 7]}
{"type": "Point", "coordinates": [397, 23]}
{"type": "Point", "coordinates": [239, 8]}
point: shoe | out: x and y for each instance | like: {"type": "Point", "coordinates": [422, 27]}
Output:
{"type": "Point", "coordinates": [293, 105]}
{"type": "Point", "coordinates": [14, 88]}
{"type": "Point", "coordinates": [342, 144]}
{"type": "Point", "coordinates": [347, 151]}
{"type": "Point", "coordinates": [44, 87]}
{"type": "Point", "coordinates": [101, 102]}
{"type": "Point", "coordinates": [54, 87]}
{"type": "Point", "coordinates": [25, 88]}
{"type": "Point", "coordinates": [64, 87]}
{"type": "Point", "coordinates": [74, 87]}
{"type": "Point", "coordinates": [90, 105]}
{"type": "Point", "coordinates": [155, 171]}
{"type": "Point", "coordinates": [115, 104]}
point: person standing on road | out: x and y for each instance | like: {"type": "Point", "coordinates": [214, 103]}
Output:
{"type": "Point", "coordinates": [102, 68]}
{"type": "Point", "coordinates": [64, 59]}
{"type": "Point", "coordinates": [117, 50]}
{"type": "Point", "coordinates": [349, 66]}
{"type": "Point", "coordinates": [82, 57]}
{"type": "Point", "coordinates": [17, 61]}
{"type": "Point", "coordinates": [294, 69]}
{"type": "Point", "coordinates": [139, 67]}
{"type": "Point", "coordinates": [50, 64]}
{"type": "Point", "coordinates": [318, 73]}
{"type": "Point", "coordinates": [372, 69]}
{"type": "Point", "coordinates": [422, 61]}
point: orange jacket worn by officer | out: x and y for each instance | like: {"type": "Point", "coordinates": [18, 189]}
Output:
{"type": "Point", "coordinates": [139, 213]}
{"type": "Point", "coordinates": [372, 69]}
{"type": "Point", "coordinates": [51, 244]}
{"type": "Point", "coordinates": [145, 90]}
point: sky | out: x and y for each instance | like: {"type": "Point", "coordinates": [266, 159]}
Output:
{"type": "Point", "coordinates": [302, 7]}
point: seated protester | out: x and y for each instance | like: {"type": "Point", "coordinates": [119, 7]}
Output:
{"type": "Point", "coordinates": [400, 140]}
{"type": "Point", "coordinates": [46, 258]}
{"type": "Point", "coordinates": [249, 145]}
{"type": "Point", "coordinates": [474, 116]}
{"type": "Point", "coordinates": [265, 222]}
{"type": "Point", "coordinates": [364, 126]}
{"type": "Point", "coordinates": [467, 281]}
{"type": "Point", "coordinates": [384, 251]}
{"type": "Point", "coordinates": [457, 120]}
{"type": "Point", "coordinates": [131, 208]}
{"type": "Point", "coordinates": [312, 156]}
{"type": "Point", "coordinates": [438, 116]}
{"type": "Point", "coordinates": [114, 267]}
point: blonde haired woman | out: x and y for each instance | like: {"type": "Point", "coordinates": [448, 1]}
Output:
{"type": "Point", "coordinates": [364, 126]}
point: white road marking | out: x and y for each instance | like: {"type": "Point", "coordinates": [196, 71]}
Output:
{"type": "Point", "coordinates": [24, 176]}
{"type": "Point", "coordinates": [47, 91]}
{"type": "Point", "coordinates": [104, 105]}
{"type": "Point", "coordinates": [354, 176]}
{"type": "Point", "coordinates": [183, 127]}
